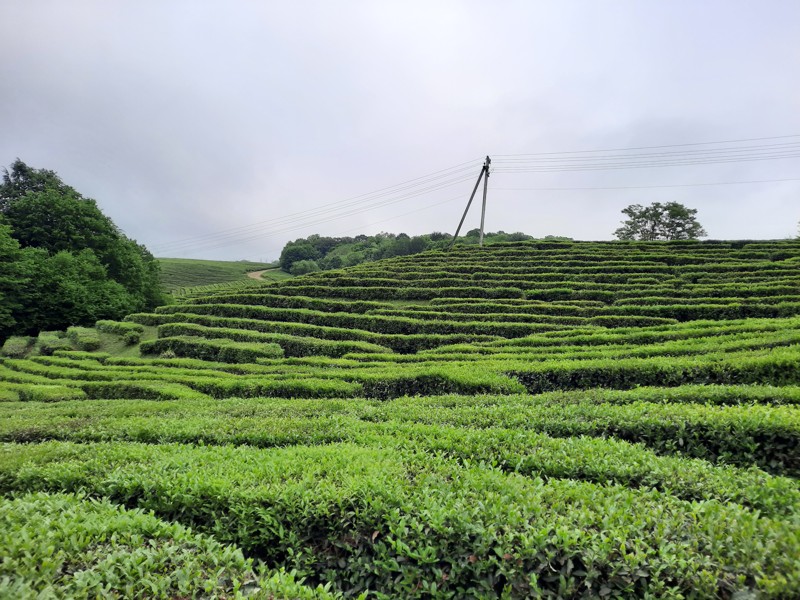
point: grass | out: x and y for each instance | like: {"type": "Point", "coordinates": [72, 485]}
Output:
{"type": "Point", "coordinates": [275, 274]}
{"type": "Point", "coordinates": [115, 346]}
{"type": "Point", "coordinates": [178, 273]}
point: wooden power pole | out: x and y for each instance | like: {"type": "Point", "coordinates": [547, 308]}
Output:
{"type": "Point", "coordinates": [485, 185]}
{"type": "Point", "coordinates": [484, 173]}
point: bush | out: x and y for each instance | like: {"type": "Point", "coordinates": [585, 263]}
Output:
{"type": "Point", "coordinates": [17, 346]}
{"type": "Point", "coordinates": [84, 338]}
{"type": "Point", "coordinates": [301, 267]}
{"type": "Point", "coordinates": [222, 350]}
{"type": "Point", "coordinates": [396, 521]}
{"type": "Point", "coordinates": [71, 546]}
{"type": "Point", "coordinates": [124, 329]}
{"type": "Point", "coordinates": [50, 341]}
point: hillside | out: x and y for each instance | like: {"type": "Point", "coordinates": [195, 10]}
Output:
{"type": "Point", "coordinates": [532, 419]}
{"type": "Point", "coordinates": [177, 273]}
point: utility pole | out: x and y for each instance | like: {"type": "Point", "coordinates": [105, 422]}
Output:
{"type": "Point", "coordinates": [484, 172]}
{"type": "Point", "coordinates": [485, 185]}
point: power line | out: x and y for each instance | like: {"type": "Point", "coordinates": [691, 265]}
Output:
{"type": "Point", "coordinates": [643, 187]}
{"type": "Point", "coordinates": [247, 236]}
{"type": "Point", "coordinates": [413, 187]}
{"type": "Point", "coordinates": [640, 165]}
{"type": "Point", "coordinates": [757, 139]}
{"type": "Point", "coordinates": [709, 153]}
{"type": "Point", "coordinates": [543, 162]}
{"type": "Point", "coordinates": [435, 179]}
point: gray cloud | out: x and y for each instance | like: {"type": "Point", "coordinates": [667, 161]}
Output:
{"type": "Point", "coordinates": [188, 118]}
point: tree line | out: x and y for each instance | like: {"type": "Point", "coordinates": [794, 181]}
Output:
{"type": "Point", "coordinates": [321, 253]}
{"type": "Point", "coordinates": [62, 261]}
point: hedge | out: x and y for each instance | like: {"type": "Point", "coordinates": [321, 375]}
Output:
{"type": "Point", "coordinates": [222, 350]}
{"type": "Point", "coordinates": [84, 338]}
{"type": "Point", "coordinates": [419, 527]}
{"type": "Point", "coordinates": [72, 546]}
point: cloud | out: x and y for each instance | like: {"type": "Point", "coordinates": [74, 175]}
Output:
{"type": "Point", "coordinates": [184, 119]}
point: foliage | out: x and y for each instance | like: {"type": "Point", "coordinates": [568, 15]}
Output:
{"type": "Point", "coordinates": [223, 350]}
{"type": "Point", "coordinates": [17, 346]}
{"type": "Point", "coordinates": [131, 333]}
{"type": "Point", "coordinates": [399, 521]}
{"type": "Point", "coordinates": [335, 253]}
{"type": "Point", "coordinates": [62, 261]}
{"type": "Point", "coordinates": [49, 342]}
{"type": "Point", "coordinates": [72, 546]}
{"type": "Point", "coordinates": [531, 419]}
{"type": "Point", "coordinates": [302, 267]}
{"type": "Point", "coordinates": [84, 338]}
{"type": "Point", "coordinates": [670, 221]}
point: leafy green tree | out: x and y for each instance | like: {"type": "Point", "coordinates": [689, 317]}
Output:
{"type": "Point", "coordinates": [670, 221]}
{"type": "Point", "coordinates": [76, 265]}
{"type": "Point", "coordinates": [22, 179]}
{"type": "Point", "coordinates": [301, 267]}
{"type": "Point", "coordinates": [68, 289]}
{"type": "Point", "coordinates": [11, 279]}
{"type": "Point", "coordinates": [296, 251]}
{"type": "Point", "coordinates": [54, 221]}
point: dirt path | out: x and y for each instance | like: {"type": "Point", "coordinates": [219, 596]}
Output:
{"type": "Point", "coordinates": [257, 274]}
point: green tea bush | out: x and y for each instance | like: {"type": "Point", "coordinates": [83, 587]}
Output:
{"type": "Point", "coordinates": [398, 522]}
{"type": "Point", "coordinates": [72, 546]}
{"type": "Point", "coordinates": [48, 342]}
{"type": "Point", "coordinates": [17, 346]}
{"type": "Point", "coordinates": [222, 350]}
{"type": "Point", "coordinates": [84, 338]}
{"type": "Point", "coordinates": [129, 332]}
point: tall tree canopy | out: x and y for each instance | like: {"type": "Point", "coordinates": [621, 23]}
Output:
{"type": "Point", "coordinates": [70, 264]}
{"type": "Point", "coordinates": [670, 221]}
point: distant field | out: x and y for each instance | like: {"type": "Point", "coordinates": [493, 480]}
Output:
{"type": "Point", "coordinates": [178, 273]}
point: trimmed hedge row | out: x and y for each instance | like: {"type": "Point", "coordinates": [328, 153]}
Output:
{"type": "Point", "coordinates": [273, 423]}
{"type": "Point", "coordinates": [366, 322]}
{"type": "Point", "coordinates": [221, 349]}
{"type": "Point", "coordinates": [419, 527]}
{"type": "Point", "coordinates": [397, 342]}
{"type": "Point", "coordinates": [779, 367]}
{"type": "Point", "coordinates": [291, 345]}
{"type": "Point", "coordinates": [17, 346]}
{"type": "Point", "coordinates": [71, 546]}
{"type": "Point", "coordinates": [48, 342]}
{"type": "Point", "coordinates": [84, 338]}
{"type": "Point", "coordinates": [131, 333]}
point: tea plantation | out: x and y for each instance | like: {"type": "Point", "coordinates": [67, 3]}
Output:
{"type": "Point", "coordinates": [524, 420]}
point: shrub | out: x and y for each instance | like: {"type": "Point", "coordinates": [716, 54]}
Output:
{"type": "Point", "coordinates": [84, 338]}
{"type": "Point", "coordinates": [222, 350]}
{"type": "Point", "coordinates": [129, 332]}
{"type": "Point", "coordinates": [17, 346]}
{"type": "Point", "coordinates": [49, 341]}
{"type": "Point", "coordinates": [301, 267]}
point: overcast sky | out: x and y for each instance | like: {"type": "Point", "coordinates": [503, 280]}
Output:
{"type": "Point", "coordinates": [206, 129]}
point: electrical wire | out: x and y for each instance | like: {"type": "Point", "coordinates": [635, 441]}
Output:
{"type": "Point", "coordinates": [635, 157]}
{"type": "Point", "coordinates": [208, 245]}
{"type": "Point", "coordinates": [641, 187]}
{"type": "Point", "coordinates": [757, 139]}
{"type": "Point", "coordinates": [421, 184]}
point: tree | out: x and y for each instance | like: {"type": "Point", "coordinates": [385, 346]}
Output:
{"type": "Point", "coordinates": [76, 263]}
{"type": "Point", "coordinates": [296, 251]}
{"type": "Point", "coordinates": [670, 221]}
{"type": "Point", "coordinates": [301, 267]}
{"type": "Point", "coordinates": [22, 179]}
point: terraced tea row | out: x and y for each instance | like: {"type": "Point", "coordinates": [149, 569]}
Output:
{"type": "Point", "coordinates": [542, 419]}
